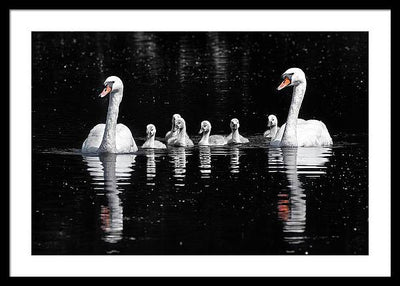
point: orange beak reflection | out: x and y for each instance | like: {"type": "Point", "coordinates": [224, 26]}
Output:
{"type": "Point", "coordinates": [284, 83]}
{"type": "Point", "coordinates": [105, 91]}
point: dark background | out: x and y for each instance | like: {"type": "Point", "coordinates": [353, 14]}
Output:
{"type": "Point", "coordinates": [214, 76]}
{"type": "Point", "coordinates": [201, 75]}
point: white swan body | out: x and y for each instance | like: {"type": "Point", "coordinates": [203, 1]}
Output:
{"type": "Point", "coordinates": [207, 139]}
{"type": "Point", "coordinates": [110, 137]}
{"type": "Point", "coordinates": [235, 137]}
{"type": "Point", "coordinates": [151, 142]}
{"type": "Point", "coordinates": [182, 139]}
{"type": "Point", "coordinates": [310, 133]}
{"type": "Point", "coordinates": [124, 142]}
{"type": "Point", "coordinates": [172, 133]}
{"type": "Point", "coordinates": [273, 127]}
{"type": "Point", "coordinates": [299, 132]}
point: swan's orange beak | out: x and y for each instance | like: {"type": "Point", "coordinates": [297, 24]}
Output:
{"type": "Point", "coordinates": [105, 91]}
{"type": "Point", "coordinates": [284, 83]}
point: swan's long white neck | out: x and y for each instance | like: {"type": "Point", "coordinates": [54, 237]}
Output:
{"type": "Point", "coordinates": [235, 135]}
{"type": "Point", "coordinates": [181, 138]}
{"type": "Point", "coordinates": [273, 131]}
{"type": "Point", "coordinates": [173, 126]}
{"type": "Point", "coordinates": [205, 138]}
{"type": "Point", "coordinates": [109, 138]}
{"type": "Point", "coordinates": [289, 137]}
{"type": "Point", "coordinates": [150, 141]}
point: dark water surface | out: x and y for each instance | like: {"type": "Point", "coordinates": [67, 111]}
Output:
{"type": "Point", "coordinates": [249, 199]}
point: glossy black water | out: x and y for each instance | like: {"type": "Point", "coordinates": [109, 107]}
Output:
{"type": "Point", "coordinates": [249, 199]}
{"type": "Point", "coordinates": [203, 201]}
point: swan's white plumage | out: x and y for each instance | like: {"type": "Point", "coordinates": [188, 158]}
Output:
{"type": "Point", "coordinates": [217, 140]}
{"type": "Point", "coordinates": [110, 137]}
{"type": "Point", "coordinates": [156, 145]}
{"type": "Point", "coordinates": [273, 126]}
{"type": "Point", "coordinates": [299, 132]}
{"type": "Point", "coordinates": [169, 135]}
{"type": "Point", "coordinates": [172, 133]}
{"type": "Point", "coordinates": [182, 139]}
{"type": "Point", "coordinates": [174, 141]}
{"type": "Point", "coordinates": [309, 133]}
{"type": "Point", "coordinates": [124, 139]}
{"type": "Point", "coordinates": [235, 137]}
{"type": "Point", "coordinates": [242, 139]}
{"type": "Point", "coordinates": [151, 142]}
{"type": "Point", "coordinates": [207, 139]}
{"type": "Point", "coordinates": [159, 145]}
{"type": "Point", "coordinates": [93, 141]}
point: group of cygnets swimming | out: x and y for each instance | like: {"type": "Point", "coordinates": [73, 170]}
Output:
{"type": "Point", "coordinates": [117, 138]}
{"type": "Point", "coordinates": [178, 136]}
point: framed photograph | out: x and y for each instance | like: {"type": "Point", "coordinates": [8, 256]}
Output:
{"type": "Point", "coordinates": [200, 143]}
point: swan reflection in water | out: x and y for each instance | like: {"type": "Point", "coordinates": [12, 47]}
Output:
{"type": "Point", "coordinates": [150, 166]}
{"type": "Point", "coordinates": [205, 162]}
{"type": "Point", "coordinates": [109, 172]}
{"type": "Point", "coordinates": [234, 159]}
{"type": "Point", "coordinates": [296, 163]}
{"type": "Point", "coordinates": [178, 155]}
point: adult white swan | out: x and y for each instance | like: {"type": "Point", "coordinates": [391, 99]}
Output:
{"type": "Point", "coordinates": [110, 137]}
{"type": "Point", "coordinates": [299, 132]}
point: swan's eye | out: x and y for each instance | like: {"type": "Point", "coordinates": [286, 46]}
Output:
{"type": "Point", "coordinates": [288, 75]}
{"type": "Point", "coordinates": [109, 84]}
